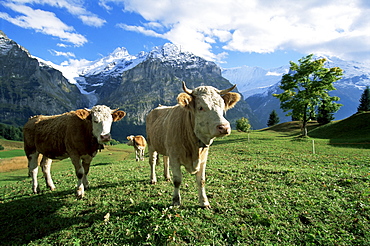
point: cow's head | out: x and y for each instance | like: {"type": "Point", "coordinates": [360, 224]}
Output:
{"type": "Point", "coordinates": [101, 117]}
{"type": "Point", "coordinates": [130, 140]}
{"type": "Point", "coordinates": [208, 106]}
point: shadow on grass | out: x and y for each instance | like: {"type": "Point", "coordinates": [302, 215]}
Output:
{"type": "Point", "coordinates": [14, 178]}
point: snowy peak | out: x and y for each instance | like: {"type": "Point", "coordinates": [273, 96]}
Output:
{"type": "Point", "coordinates": [173, 55]}
{"type": "Point", "coordinates": [117, 61]}
{"type": "Point", "coordinates": [7, 44]}
{"type": "Point", "coordinates": [253, 80]}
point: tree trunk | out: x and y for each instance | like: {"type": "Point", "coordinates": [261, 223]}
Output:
{"type": "Point", "coordinates": [304, 121]}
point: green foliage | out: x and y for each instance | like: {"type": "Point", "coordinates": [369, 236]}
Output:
{"type": "Point", "coordinates": [243, 125]}
{"type": "Point", "coordinates": [353, 129]}
{"type": "Point", "coordinates": [364, 100]}
{"type": "Point", "coordinates": [325, 113]}
{"type": "Point", "coordinates": [269, 191]}
{"type": "Point", "coordinates": [273, 119]}
{"type": "Point", "coordinates": [11, 132]}
{"type": "Point", "coordinates": [1, 147]}
{"type": "Point", "coordinates": [306, 87]}
{"type": "Point", "coordinates": [112, 142]}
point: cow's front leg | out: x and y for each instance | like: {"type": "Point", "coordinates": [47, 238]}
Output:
{"type": "Point", "coordinates": [33, 168]}
{"type": "Point", "coordinates": [153, 155]}
{"type": "Point", "coordinates": [142, 152]}
{"type": "Point", "coordinates": [166, 168]}
{"type": "Point", "coordinates": [201, 182]}
{"type": "Point", "coordinates": [45, 167]}
{"type": "Point", "coordinates": [177, 179]}
{"type": "Point", "coordinates": [80, 173]}
{"type": "Point", "coordinates": [137, 154]}
{"type": "Point", "coordinates": [86, 160]}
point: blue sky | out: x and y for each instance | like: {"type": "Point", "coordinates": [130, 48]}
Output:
{"type": "Point", "coordinates": [264, 33]}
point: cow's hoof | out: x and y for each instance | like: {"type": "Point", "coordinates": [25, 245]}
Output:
{"type": "Point", "coordinates": [153, 182]}
{"type": "Point", "coordinates": [206, 206]}
{"type": "Point", "coordinates": [80, 197]}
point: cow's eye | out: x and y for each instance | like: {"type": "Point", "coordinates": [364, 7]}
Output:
{"type": "Point", "coordinates": [95, 121]}
{"type": "Point", "coordinates": [201, 109]}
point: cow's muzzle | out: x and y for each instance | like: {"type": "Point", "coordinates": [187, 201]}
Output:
{"type": "Point", "coordinates": [223, 129]}
{"type": "Point", "coordinates": [105, 138]}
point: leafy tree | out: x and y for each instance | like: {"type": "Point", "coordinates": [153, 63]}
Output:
{"type": "Point", "coordinates": [306, 87]}
{"type": "Point", "coordinates": [243, 125]}
{"type": "Point", "coordinates": [11, 132]}
{"type": "Point", "coordinates": [325, 114]}
{"type": "Point", "coordinates": [273, 119]}
{"type": "Point", "coordinates": [364, 101]}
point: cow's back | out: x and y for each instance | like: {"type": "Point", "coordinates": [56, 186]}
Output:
{"type": "Point", "coordinates": [140, 141]}
{"type": "Point", "coordinates": [54, 136]}
{"type": "Point", "coordinates": [155, 129]}
{"type": "Point", "coordinates": [170, 130]}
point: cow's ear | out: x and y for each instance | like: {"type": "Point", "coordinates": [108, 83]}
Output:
{"type": "Point", "coordinates": [230, 99]}
{"type": "Point", "coordinates": [82, 113]}
{"type": "Point", "coordinates": [184, 100]}
{"type": "Point", "coordinates": [118, 115]}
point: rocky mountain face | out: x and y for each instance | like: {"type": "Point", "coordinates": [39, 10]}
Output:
{"type": "Point", "coordinates": [28, 88]}
{"type": "Point", "coordinates": [135, 84]}
{"type": "Point", "coordinates": [157, 79]}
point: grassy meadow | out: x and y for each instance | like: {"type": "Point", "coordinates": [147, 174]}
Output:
{"type": "Point", "coordinates": [265, 188]}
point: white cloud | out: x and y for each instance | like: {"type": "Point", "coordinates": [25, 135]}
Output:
{"type": "Point", "coordinates": [74, 7]}
{"type": "Point", "coordinates": [338, 27]}
{"type": "Point", "coordinates": [60, 53]}
{"type": "Point", "coordinates": [44, 22]}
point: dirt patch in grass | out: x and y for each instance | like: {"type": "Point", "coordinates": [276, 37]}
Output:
{"type": "Point", "coordinates": [11, 164]}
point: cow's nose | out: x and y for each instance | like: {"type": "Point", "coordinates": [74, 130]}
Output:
{"type": "Point", "coordinates": [105, 138]}
{"type": "Point", "coordinates": [223, 129]}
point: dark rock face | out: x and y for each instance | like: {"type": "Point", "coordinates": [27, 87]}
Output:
{"type": "Point", "coordinates": [29, 88]}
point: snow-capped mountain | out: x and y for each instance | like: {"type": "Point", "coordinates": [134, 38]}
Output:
{"type": "Point", "coordinates": [254, 80]}
{"type": "Point", "coordinates": [257, 85]}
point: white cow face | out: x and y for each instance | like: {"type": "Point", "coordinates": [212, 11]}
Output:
{"type": "Point", "coordinates": [208, 105]}
{"type": "Point", "coordinates": [130, 140]}
{"type": "Point", "coordinates": [102, 118]}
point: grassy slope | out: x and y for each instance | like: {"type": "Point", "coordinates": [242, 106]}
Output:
{"type": "Point", "coordinates": [354, 128]}
{"type": "Point", "coordinates": [270, 190]}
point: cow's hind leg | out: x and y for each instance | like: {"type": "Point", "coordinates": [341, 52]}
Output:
{"type": "Point", "coordinates": [86, 160]}
{"type": "Point", "coordinates": [166, 171]}
{"type": "Point", "coordinates": [142, 152]}
{"type": "Point", "coordinates": [153, 156]}
{"type": "Point", "coordinates": [45, 166]}
{"type": "Point", "coordinates": [33, 168]}
{"type": "Point", "coordinates": [80, 173]}
{"type": "Point", "coordinates": [177, 179]}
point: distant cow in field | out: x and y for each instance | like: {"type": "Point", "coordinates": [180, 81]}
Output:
{"type": "Point", "coordinates": [183, 133]}
{"type": "Point", "coordinates": [76, 134]}
{"type": "Point", "coordinates": [139, 144]}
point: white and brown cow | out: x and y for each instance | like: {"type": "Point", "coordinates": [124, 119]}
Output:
{"type": "Point", "coordinates": [76, 134]}
{"type": "Point", "coordinates": [139, 144]}
{"type": "Point", "coordinates": [183, 133]}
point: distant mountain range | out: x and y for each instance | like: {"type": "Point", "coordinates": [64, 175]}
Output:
{"type": "Point", "coordinates": [138, 83]}
{"type": "Point", "coordinates": [257, 85]}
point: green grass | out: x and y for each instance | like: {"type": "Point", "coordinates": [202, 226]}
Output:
{"type": "Point", "coordinates": [11, 153]}
{"type": "Point", "coordinates": [270, 190]}
{"type": "Point", "coordinates": [355, 129]}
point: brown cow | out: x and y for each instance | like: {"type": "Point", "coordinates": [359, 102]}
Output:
{"type": "Point", "coordinates": [183, 133]}
{"type": "Point", "coordinates": [76, 134]}
{"type": "Point", "coordinates": [139, 144]}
